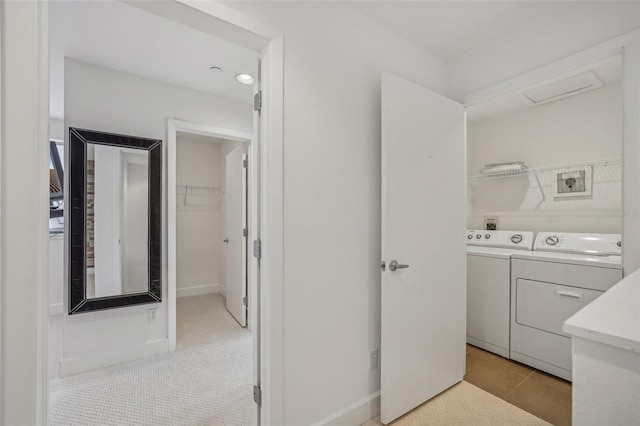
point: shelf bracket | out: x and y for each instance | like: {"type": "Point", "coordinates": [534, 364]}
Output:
{"type": "Point", "coordinates": [544, 198]}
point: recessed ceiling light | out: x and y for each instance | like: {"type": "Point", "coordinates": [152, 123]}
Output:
{"type": "Point", "coordinates": [215, 69]}
{"type": "Point", "coordinates": [245, 79]}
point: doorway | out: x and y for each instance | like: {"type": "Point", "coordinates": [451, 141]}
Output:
{"type": "Point", "coordinates": [391, 403]}
{"type": "Point", "coordinates": [228, 203]}
{"type": "Point", "coordinates": [25, 360]}
{"type": "Point", "coordinates": [141, 105]}
{"type": "Point", "coordinates": [544, 162]}
{"type": "Point", "coordinates": [211, 280]}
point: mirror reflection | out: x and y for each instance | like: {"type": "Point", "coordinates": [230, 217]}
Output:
{"type": "Point", "coordinates": [117, 221]}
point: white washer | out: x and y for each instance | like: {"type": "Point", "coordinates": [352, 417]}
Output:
{"type": "Point", "coordinates": [564, 273]}
{"type": "Point", "coordinates": [488, 286]}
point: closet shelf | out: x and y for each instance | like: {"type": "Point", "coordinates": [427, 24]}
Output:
{"type": "Point", "coordinates": [536, 170]}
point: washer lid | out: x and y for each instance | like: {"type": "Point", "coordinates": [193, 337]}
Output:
{"type": "Point", "coordinates": [497, 253]}
{"type": "Point", "coordinates": [578, 243]}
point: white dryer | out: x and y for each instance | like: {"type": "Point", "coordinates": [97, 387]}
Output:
{"type": "Point", "coordinates": [564, 273]}
{"type": "Point", "coordinates": [488, 286]}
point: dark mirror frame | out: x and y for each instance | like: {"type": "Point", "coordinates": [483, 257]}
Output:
{"type": "Point", "coordinates": [77, 212]}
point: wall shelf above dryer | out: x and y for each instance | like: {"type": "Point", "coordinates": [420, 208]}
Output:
{"type": "Point", "coordinates": [537, 170]}
{"type": "Point", "coordinates": [546, 190]}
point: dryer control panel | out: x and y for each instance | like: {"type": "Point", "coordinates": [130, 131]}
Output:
{"type": "Point", "coordinates": [589, 244]}
{"type": "Point", "coordinates": [501, 239]}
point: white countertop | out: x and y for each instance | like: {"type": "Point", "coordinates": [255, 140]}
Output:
{"type": "Point", "coordinates": [613, 318]}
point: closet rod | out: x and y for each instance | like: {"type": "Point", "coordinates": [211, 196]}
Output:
{"type": "Point", "coordinates": [200, 188]}
{"type": "Point", "coordinates": [190, 188]}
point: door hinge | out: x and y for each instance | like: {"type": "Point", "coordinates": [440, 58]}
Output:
{"type": "Point", "coordinates": [245, 232]}
{"type": "Point", "coordinates": [257, 394]}
{"type": "Point", "coordinates": [245, 163]}
{"type": "Point", "coordinates": [257, 101]}
{"type": "Point", "coordinates": [245, 301]}
{"type": "Point", "coordinates": [257, 249]}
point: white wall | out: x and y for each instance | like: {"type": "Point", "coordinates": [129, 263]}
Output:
{"type": "Point", "coordinates": [56, 129]}
{"type": "Point", "coordinates": [56, 272]}
{"type": "Point", "coordinates": [334, 58]}
{"type": "Point", "coordinates": [580, 128]}
{"type": "Point", "coordinates": [199, 224]}
{"type": "Point", "coordinates": [24, 176]}
{"type": "Point", "coordinates": [574, 27]}
{"type": "Point", "coordinates": [101, 99]}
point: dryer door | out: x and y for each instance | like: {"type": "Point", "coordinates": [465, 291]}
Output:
{"type": "Point", "coordinates": [547, 306]}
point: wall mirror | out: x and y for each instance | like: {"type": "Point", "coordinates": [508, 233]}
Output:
{"type": "Point", "coordinates": [114, 219]}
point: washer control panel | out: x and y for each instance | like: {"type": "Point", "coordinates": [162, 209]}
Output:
{"type": "Point", "coordinates": [589, 244]}
{"type": "Point", "coordinates": [501, 239]}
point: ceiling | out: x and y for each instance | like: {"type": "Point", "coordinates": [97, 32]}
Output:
{"type": "Point", "coordinates": [608, 71]}
{"type": "Point", "coordinates": [116, 35]}
{"type": "Point", "coordinates": [448, 29]}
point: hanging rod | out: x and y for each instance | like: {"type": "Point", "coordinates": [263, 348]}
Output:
{"type": "Point", "coordinates": [536, 170]}
{"type": "Point", "coordinates": [191, 188]}
{"type": "Point", "coordinates": [199, 188]}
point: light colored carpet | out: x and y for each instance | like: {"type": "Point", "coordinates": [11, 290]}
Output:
{"type": "Point", "coordinates": [206, 385]}
{"type": "Point", "coordinates": [465, 404]}
{"type": "Point", "coordinates": [207, 382]}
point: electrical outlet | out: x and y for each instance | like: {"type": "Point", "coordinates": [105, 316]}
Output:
{"type": "Point", "coordinates": [490, 223]}
{"type": "Point", "coordinates": [153, 315]}
{"type": "Point", "coordinates": [373, 359]}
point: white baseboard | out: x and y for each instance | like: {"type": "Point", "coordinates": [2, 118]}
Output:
{"type": "Point", "coordinates": [223, 291]}
{"type": "Point", "coordinates": [55, 309]}
{"type": "Point", "coordinates": [71, 366]}
{"type": "Point", "coordinates": [355, 414]}
{"type": "Point", "coordinates": [198, 290]}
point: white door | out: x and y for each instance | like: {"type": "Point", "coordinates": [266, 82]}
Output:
{"type": "Point", "coordinates": [235, 222]}
{"type": "Point", "coordinates": [423, 226]}
{"type": "Point", "coordinates": [253, 264]}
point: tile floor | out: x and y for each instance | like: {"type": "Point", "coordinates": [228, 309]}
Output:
{"type": "Point", "coordinates": [541, 394]}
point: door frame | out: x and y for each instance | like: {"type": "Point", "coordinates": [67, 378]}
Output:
{"type": "Point", "coordinates": [628, 47]}
{"type": "Point", "coordinates": [173, 127]}
{"type": "Point", "coordinates": [24, 126]}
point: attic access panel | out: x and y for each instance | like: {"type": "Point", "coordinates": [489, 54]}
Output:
{"type": "Point", "coordinates": [562, 89]}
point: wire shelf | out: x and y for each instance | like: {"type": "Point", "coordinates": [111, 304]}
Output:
{"type": "Point", "coordinates": [536, 170]}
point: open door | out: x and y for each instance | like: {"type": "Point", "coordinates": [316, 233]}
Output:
{"type": "Point", "coordinates": [423, 245]}
{"type": "Point", "coordinates": [235, 202]}
{"type": "Point", "coordinates": [254, 233]}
